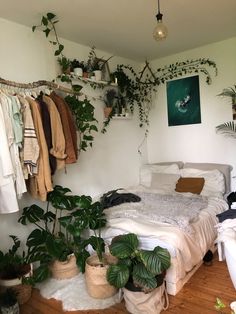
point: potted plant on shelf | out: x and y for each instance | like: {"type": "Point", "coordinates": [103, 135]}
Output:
{"type": "Point", "coordinates": [55, 241]}
{"type": "Point", "coordinates": [139, 272]}
{"type": "Point", "coordinates": [77, 67]}
{"type": "Point", "coordinates": [16, 271]}
{"type": "Point", "coordinates": [8, 302]}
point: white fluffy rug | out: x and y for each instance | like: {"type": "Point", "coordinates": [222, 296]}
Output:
{"type": "Point", "coordinates": [73, 294]}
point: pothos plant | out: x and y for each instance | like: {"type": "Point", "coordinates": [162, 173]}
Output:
{"type": "Point", "coordinates": [83, 111]}
{"type": "Point", "coordinates": [138, 87]}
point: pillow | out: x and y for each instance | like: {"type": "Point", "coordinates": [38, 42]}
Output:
{"type": "Point", "coordinates": [192, 185]}
{"type": "Point", "coordinates": [214, 180]}
{"type": "Point", "coordinates": [164, 181]}
{"type": "Point", "coordinates": [147, 170]}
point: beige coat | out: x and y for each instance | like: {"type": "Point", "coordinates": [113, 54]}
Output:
{"type": "Point", "coordinates": [41, 183]}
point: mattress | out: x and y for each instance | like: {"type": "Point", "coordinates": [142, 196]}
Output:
{"type": "Point", "coordinates": [186, 249]}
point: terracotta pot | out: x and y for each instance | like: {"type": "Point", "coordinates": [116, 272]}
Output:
{"type": "Point", "coordinates": [64, 270]}
{"type": "Point", "coordinates": [107, 111]}
{"type": "Point", "coordinates": [95, 277]}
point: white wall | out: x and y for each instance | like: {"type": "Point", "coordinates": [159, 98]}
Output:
{"type": "Point", "coordinates": [197, 142]}
{"type": "Point", "coordinates": [113, 161]}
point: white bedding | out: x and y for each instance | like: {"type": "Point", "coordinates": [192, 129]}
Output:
{"type": "Point", "coordinates": [185, 248]}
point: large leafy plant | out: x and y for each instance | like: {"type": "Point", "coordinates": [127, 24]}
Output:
{"type": "Point", "coordinates": [13, 264]}
{"type": "Point", "coordinates": [56, 233]}
{"type": "Point", "coordinates": [59, 229]}
{"type": "Point", "coordinates": [144, 268]}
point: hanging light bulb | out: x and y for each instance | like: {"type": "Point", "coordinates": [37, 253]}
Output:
{"type": "Point", "coordinates": [160, 31]}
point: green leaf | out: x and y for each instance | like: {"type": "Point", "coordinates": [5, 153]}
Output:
{"type": "Point", "coordinates": [77, 88]}
{"type": "Point", "coordinates": [44, 21]}
{"type": "Point", "coordinates": [157, 260]}
{"type": "Point", "coordinates": [33, 28]}
{"type": "Point", "coordinates": [118, 275]}
{"type": "Point", "coordinates": [47, 31]}
{"type": "Point", "coordinates": [124, 245]}
{"type": "Point", "coordinates": [50, 15]}
{"type": "Point", "coordinates": [41, 273]}
{"type": "Point", "coordinates": [31, 214]}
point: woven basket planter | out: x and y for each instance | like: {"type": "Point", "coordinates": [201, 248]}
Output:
{"type": "Point", "coordinates": [23, 291]}
{"type": "Point", "coordinates": [65, 270]}
{"type": "Point", "coordinates": [95, 277]}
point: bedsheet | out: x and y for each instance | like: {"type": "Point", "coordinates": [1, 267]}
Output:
{"type": "Point", "coordinates": [187, 249]}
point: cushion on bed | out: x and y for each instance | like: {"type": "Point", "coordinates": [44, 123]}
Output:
{"type": "Point", "coordinates": [223, 168]}
{"type": "Point", "coordinates": [147, 170]}
{"type": "Point", "coordinates": [164, 181]}
{"type": "Point", "coordinates": [214, 181]}
{"type": "Point", "coordinates": [192, 185]}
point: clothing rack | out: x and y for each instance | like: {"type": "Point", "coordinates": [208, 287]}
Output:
{"type": "Point", "coordinates": [38, 84]}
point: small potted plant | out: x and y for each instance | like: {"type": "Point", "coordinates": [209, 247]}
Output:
{"type": "Point", "coordinates": [110, 100]}
{"type": "Point", "coordinates": [139, 272]}
{"type": "Point", "coordinates": [16, 271]}
{"type": "Point", "coordinates": [65, 64]}
{"type": "Point", "coordinates": [8, 302]}
{"type": "Point", "coordinates": [77, 67]}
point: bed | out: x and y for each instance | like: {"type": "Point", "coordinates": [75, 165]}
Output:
{"type": "Point", "coordinates": [182, 221]}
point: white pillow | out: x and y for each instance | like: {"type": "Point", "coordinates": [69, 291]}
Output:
{"type": "Point", "coordinates": [147, 170]}
{"type": "Point", "coordinates": [164, 181]}
{"type": "Point", "coordinates": [214, 180]}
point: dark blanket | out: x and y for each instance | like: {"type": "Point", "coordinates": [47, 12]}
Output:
{"type": "Point", "coordinates": [113, 198]}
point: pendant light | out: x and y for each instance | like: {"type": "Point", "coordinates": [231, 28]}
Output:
{"type": "Point", "coordinates": [160, 31]}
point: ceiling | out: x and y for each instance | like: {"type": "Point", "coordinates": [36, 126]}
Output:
{"type": "Point", "coordinates": [124, 27]}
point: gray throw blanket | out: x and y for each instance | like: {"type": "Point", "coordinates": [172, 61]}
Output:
{"type": "Point", "coordinates": [177, 210]}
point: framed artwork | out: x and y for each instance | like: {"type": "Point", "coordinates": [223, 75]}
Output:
{"type": "Point", "coordinates": [183, 101]}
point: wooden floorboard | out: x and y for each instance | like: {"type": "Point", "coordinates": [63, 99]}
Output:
{"type": "Point", "coordinates": [196, 297]}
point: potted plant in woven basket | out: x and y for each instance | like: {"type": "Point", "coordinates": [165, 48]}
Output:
{"type": "Point", "coordinates": [95, 263]}
{"type": "Point", "coordinates": [140, 273]}
{"type": "Point", "coordinates": [8, 302]}
{"type": "Point", "coordinates": [16, 271]}
{"type": "Point", "coordinates": [56, 240]}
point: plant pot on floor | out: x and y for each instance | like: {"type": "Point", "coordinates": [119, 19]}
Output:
{"type": "Point", "coordinates": [23, 291]}
{"type": "Point", "coordinates": [107, 111]}
{"type": "Point", "coordinates": [95, 277]}
{"type": "Point", "coordinates": [138, 302]}
{"type": "Point", "coordinates": [66, 269]}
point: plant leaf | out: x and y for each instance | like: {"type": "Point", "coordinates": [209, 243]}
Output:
{"type": "Point", "coordinates": [118, 275]}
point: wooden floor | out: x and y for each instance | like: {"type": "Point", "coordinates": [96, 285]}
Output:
{"type": "Point", "coordinates": [197, 296]}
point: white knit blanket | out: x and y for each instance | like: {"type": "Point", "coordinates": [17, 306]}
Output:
{"type": "Point", "coordinates": [177, 210]}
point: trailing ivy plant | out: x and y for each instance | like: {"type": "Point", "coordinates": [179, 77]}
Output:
{"type": "Point", "coordinates": [138, 87]}
{"type": "Point", "coordinates": [83, 112]}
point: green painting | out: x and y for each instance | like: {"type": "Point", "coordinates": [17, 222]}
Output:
{"type": "Point", "coordinates": [183, 101]}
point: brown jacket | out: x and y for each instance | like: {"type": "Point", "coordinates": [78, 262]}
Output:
{"type": "Point", "coordinates": [69, 128]}
{"type": "Point", "coordinates": [41, 183]}
{"type": "Point", "coordinates": [58, 138]}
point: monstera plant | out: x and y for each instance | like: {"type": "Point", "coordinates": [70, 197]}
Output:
{"type": "Point", "coordinates": [145, 269]}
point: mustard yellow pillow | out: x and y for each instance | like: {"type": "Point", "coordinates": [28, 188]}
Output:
{"type": "Point", "coordinates": [192, 185]}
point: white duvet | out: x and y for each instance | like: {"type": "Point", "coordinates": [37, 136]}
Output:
{"type": "Point", "coordinates": [188, 248]}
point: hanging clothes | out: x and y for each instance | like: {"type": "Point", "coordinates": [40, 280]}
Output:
{"type": "Point", "coordinates": [41, 183]}
{"type": "Point", "coordinates": [8, 199]}
{"type": "Point", "coordinates": [58, 139]}
{"type": "Point", "coordinates": [69, 128]}
{"type": "Point", "coordinates": [46, 122]}
{"type": "Point", "coordinates": [13, 119]}
{"type": "Point", "coordinates": [30, 151]}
